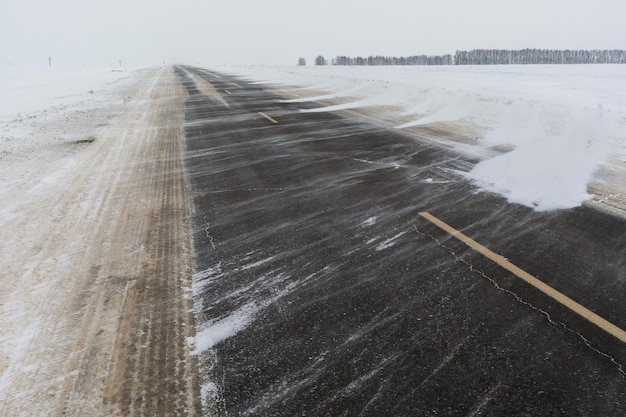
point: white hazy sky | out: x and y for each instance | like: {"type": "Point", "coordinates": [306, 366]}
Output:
{"type": "Point", "coordinates": [277, 32]}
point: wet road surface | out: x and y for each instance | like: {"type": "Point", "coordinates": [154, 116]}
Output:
{"type": "Point", "coordinates": [327, 294]}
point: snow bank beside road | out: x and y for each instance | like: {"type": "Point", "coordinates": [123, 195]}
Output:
{"type": "Point", "coordinates": [547, 169]}
{"type": "Point", "coordinates": [542, 133]}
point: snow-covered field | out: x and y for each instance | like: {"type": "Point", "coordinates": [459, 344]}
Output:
{"type": "Point", "coordinates": [25, 91]}
{"type": "Point", "coordinates": [546, 136]}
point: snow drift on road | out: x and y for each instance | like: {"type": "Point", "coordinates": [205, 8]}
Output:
{"type": "Point", "coordinates": [541, 133]}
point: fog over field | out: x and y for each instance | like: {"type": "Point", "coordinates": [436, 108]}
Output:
{"type": "Point", "coordinates": [276, 32]}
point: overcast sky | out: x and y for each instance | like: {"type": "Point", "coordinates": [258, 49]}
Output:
{"type": "Point", "coordinates": [277, 32]}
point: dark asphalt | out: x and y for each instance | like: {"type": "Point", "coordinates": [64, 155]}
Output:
{"type": "Point", "coordinates": [355, 305]}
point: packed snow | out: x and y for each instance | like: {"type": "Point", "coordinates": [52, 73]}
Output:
{"type": "Point", "coordinates": [546, 136]}
{"type": "Point", "coordinates": [42, 112]}
{"type": "Point", "coordinates": [46, 119]}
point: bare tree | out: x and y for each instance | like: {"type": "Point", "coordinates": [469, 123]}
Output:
{"type": "Point", "coordinates": [539, 56]}
{"type": "Point", "coordinates": [394, 60]}
{"type": "Point", "coordinates": [301, 62]}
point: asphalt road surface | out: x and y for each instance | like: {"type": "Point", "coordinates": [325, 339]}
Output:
{"type": "Point", "coordinates": [342, 296]}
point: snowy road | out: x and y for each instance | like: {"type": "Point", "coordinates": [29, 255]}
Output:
{"type": "Point", "coordinates": [95, 260]}
{"type": "Point", "coordinates": [321, 290]}
{"type": "Point", "coordinates": [307, 250]}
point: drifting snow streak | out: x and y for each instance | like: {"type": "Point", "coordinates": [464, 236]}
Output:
{"type": "Point", "coordinates": [370, 221]}
{"type": "Point", "coordinates": [394, 165]}
{"type": "Point", "coordinates": [454, 111]}
{"type": "Point", "coordinates": [308, 99]}
{"type": "Point", "coordinates": [216, 331]}
{"type": "Point", "coordinates": [203, 278]}
{"type": "Point", "coordinates": [258, 263]}
{"type": "Point", "coordinates": [389, 242]}
{"type": "Point", "coordinates": [345, 106]}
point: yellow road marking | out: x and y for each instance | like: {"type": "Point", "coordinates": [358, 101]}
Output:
{"type": "Point", "coordinates": [228, 92]}
{"type": "Point", "coordinates": [267, 117]}
{"type": "Point", "coordinates": [541, 286]}
{"type": "Point", "coordinates": [206, 88]}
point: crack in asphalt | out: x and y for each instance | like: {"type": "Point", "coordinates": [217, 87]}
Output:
{"type": "Point", "coordinates": [520, 300]}
{"type": "Point", "coordinates": [207, 231]}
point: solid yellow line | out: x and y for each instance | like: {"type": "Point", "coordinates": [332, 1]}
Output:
{"type": "Point", "coordinates": [541, 286]}
{"type": "Point", "coordinates": [267, 117]}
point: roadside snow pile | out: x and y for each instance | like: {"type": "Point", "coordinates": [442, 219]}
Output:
{"type": "Point", "coordinates": [546, 170]}
{"type": "Point", "coordinates": [542, 133]}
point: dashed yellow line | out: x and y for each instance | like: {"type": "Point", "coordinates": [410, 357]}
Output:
{"type": "Point", "coordinates": [267, 117]}
{"type": "Point", "coordinates": [541, 286]}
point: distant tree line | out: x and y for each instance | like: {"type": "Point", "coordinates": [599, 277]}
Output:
{"type": "Point", "coordinates": [539, 56]}
{"type": "Point", "coordinates": [392, 60]}
{"type": "Point", "coordinates": [487, 57]}
{"type": "Point", "coordinates": [320, 60]}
